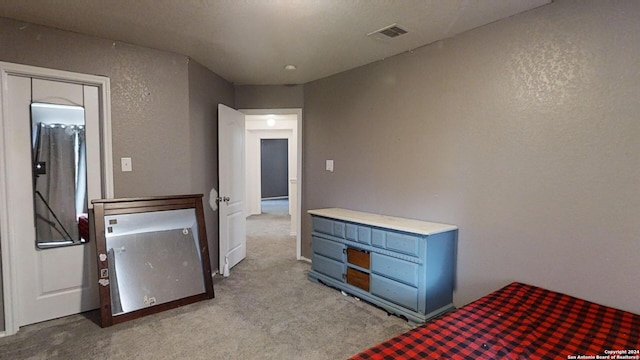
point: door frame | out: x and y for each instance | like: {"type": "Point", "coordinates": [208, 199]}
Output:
{"type": "Point", "coordinates": [7, 241]}
{"type": "Point", "coordinates": [296, 214]}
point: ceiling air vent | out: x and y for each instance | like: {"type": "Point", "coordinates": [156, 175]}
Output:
{"type": "Point", "coordinates": [388, 32]}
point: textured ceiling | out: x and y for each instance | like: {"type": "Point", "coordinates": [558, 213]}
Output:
{"type": "Point", "coordinates": [250, 41]}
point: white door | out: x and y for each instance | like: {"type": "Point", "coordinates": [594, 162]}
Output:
{"type": "Point", "coordinates": [59, 281]}
{"type": "Point", "coordinates": [231, 174]}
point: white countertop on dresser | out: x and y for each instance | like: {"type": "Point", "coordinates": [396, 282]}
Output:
{"type": "Point", "coordinates": [384, 221]}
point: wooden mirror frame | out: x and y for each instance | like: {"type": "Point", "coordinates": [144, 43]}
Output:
{"type": "Point", "coordinates": [106, 207]}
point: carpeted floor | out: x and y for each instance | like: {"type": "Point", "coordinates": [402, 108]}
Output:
{"type": "Point", "coordinates": [266, 309]}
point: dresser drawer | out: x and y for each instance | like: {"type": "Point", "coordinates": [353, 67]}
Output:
{"type": "Point", "coordinates": [329, 227]}
{"type": "Point", "coordinates": [364, 234]}
{"type": "Point", "coordinates": [328, 267]}
{"type": "Point", "coordinates": [338, 229]}
{"type": "Point", "coordinates": [394, 268]}
{"type": "Point", "coordinates": [378, 238]}
{"type": "Point", "coordinates": [357, 278]}
{"type": "Point", "coordinates": [394, 291]}
{"type": "Point", "coordinates": [322, 225]}
{"type": "Point", "coordinates": [359, 258]}
{"type": "Point", "coordinates": [351, 232]}
{"type": "Point", "coordinates": [395, 241]}
{"type": "Point", "coordinates": [358, 233]}
{"type": "Point", "coordinates": [328, 248]}
{"type": "Point", "coordinates": [404, 243]}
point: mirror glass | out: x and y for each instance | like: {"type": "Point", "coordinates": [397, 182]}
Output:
{"type": "Point", "coordinates": [59, 175]}
{"type": "Point", "coordinates": [154, 258]}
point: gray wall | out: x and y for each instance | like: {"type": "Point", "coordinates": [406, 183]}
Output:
{"type": "Point", "coordinates": [524, 133]}
{"type": "Point", "coordinates": [269, 96]}
{"type": "Point", "coordinates": [206, 91]}
{"type": "Point", "coordinates": [163, 109]}
{"type": "Point", "coordinates": [149, 100]}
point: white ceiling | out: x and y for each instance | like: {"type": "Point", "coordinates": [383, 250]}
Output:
{"type": "Point", "coordinates": [250, 41]}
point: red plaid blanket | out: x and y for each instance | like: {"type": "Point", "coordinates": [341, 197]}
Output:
{"type": "Point", "coordinates": [519, 322]}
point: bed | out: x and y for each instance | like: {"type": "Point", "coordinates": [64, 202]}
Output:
{"type": "Point", "coordinates": [519, 321]}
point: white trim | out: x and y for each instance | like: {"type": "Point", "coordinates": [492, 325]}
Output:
{"type": "Point", "coordinates": [6, 217]}
{"type": "Point", "coordinates": [298, 215]}
{"type": "Point", "coordinates": [8, 277]}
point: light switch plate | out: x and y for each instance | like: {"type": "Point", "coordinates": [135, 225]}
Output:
{"type": "Point", "coordinates": [329, 165]}
{"type": "Point", "coordinates": [126, 164]}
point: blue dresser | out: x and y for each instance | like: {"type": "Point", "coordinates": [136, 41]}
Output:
{"type": "Point", "coordinates": [401, 265]}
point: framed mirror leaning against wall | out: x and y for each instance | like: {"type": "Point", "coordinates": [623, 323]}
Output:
{"type": "Point", "coordinates": [152, 255]}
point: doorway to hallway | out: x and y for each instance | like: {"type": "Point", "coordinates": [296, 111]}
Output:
{"type": "Point", "coordinates": [273, 124]}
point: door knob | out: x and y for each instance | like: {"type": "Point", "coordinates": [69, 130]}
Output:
{"type": "Point", "coordinates": [222, 198]}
